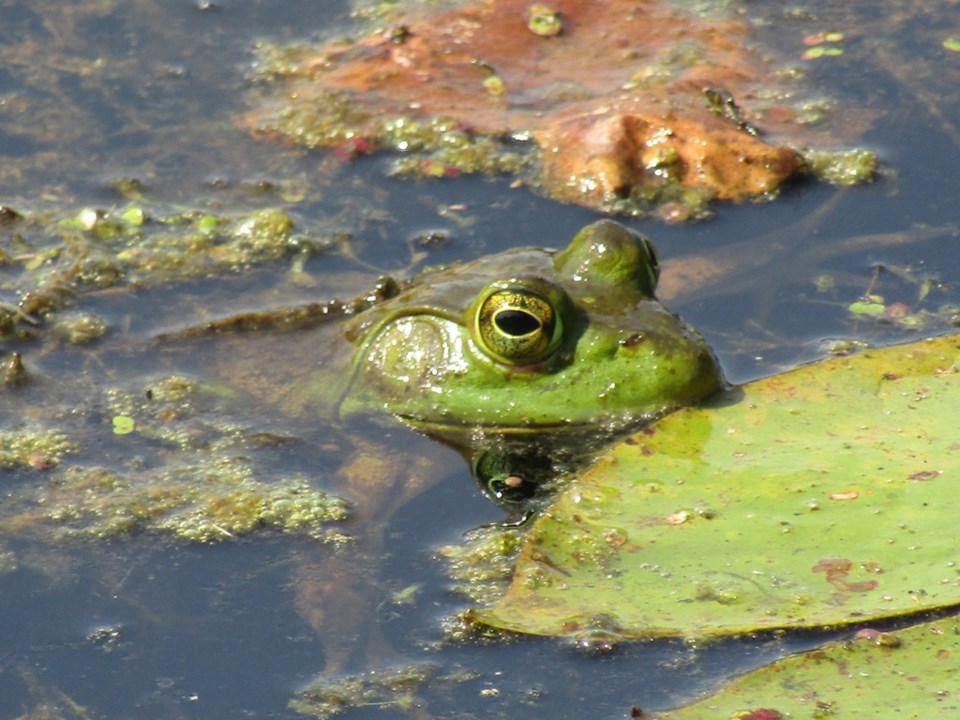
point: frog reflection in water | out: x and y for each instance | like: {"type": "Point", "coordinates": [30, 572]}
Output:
{"type": "Point", "coordinates": [526, 349]}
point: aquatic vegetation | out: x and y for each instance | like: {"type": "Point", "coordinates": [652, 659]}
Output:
{"type": "Point", "coordinates": [808, 499]}
{"type": "Point", "coordinates": [909, 672]}
{"type": "Point", "coordinates": [208, 502]}
{"type": "Point", "coordinates": [33, 447]}
{"type": "Point", "coordinates": [190, 475]}
{"type": "Point", "coordinates": [482, 563]}
{"type": "Point", "coordinates": [48, 260]}
{"type": "Point", "coordinates": [843, 167]}
{"type": "Point", "coordinates": [393, 689]}
{"type": "Point", "coordinates": [624, 107]}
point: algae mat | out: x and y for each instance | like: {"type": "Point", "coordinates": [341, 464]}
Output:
{"type": "Point", "coordinates": [824, 496]}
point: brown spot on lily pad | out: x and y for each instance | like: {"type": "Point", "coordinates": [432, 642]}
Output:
{"type": "Point", "coordinates": [758, 714]}
{"type": "Point", "coordinates": [634, 104]}
{"type": "Point", "coordinates": [836, 571]}
{"type": "Point", "coordinates": [924, 475]}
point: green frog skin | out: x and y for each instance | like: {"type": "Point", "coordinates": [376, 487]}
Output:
{"type": "Point", "coordinates": [528, 340]}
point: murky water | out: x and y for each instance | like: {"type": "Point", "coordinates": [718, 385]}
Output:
{"type": "Point", "coordinates": [146, 626]}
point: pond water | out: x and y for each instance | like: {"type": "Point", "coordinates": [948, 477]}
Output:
{"type": "Point", "coordinates": [96, 98]}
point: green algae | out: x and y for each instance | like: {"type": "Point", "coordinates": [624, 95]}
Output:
{"type": "Point", "coordinates": [430, 147]}
{"type": "Point", "coordinates": [33, 447]}
{"type": "Point", "coordinates": [49, 260]}
{"type": "Point", "coordinates": [391, 689]}
{"type": "Point", "coordinates": [189, 471]}
{"type": "Point", "coordinates": [203, 503]}
{"type": "Point", "coordinates": [843, 167]}
{"type": "Point", "coordinates": [452, 151]}
{"type": "Point", "coordinates": [12, 371]}
{"type": "Point", "coordinates": [78, 327]}
{"type": "Point", "coordinates": [482, 563]}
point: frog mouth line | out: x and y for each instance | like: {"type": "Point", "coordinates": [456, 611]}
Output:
{"type": "Point", "coordinates": [592, 426]}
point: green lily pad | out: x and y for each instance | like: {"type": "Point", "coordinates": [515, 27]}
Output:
{"type": "Point", "coordinates": [824, 496]}
{"type": "Point", "coordinates": [910, 674]}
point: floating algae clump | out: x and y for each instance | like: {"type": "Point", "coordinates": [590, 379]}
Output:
{"type": "Point", "coordinates": [187, 469]}
{"type": "Point", "coordinates": [207, 502]}
{"type": "Point", "coordinates": [38, 448]}
{"type": "Point", "coordinates": [843, 167]}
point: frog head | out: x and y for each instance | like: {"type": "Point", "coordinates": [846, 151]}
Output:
{"type": "Point", "coordinates": [530, 340]}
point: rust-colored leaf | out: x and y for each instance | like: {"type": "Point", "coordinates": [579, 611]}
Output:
{"type": "Point", "coordinates": [632, 101]}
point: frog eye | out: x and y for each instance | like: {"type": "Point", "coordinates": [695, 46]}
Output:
{"type": "Point", "coordinates": [517, 325]}
{"type": "Point", "coordinates": [607, 257]}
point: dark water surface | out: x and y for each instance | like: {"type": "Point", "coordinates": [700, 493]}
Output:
{"type": "Point", "coordinates": [143, 627]}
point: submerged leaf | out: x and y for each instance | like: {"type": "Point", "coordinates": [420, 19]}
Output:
{"type": "Point", "coordinates": [823, 496]}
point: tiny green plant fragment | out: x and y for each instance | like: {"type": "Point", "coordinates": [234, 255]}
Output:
{"type": "Point", "coordinates": [825, 496]}
{"type": "Point", "coordinates": [123, 424]}
{"type": "Point", "coordinates": [908, 673]}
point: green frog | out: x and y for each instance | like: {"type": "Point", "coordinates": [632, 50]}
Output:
{"type": "Point", "coordinates": [527, 340]}
{"type": "Point", "coordinates": [514, 359]}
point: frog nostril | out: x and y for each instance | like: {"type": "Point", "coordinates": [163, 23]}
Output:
{"type": "Point", "coordinates": [632, 340]}
{"type": "Point", "coordinates": [516, 323]}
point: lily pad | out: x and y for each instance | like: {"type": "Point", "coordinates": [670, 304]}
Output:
{"type": "Point", "coordinates": [909, 673]}
{"type": "Point", "coordinates": [824, 496]}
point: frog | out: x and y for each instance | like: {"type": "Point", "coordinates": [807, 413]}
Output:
{"type": "Point", "coordinates": [510, 356]}
{"type": "Point", "coordinates": [514, 359]}
{"type": "Point", "coordinates": [526, 341]}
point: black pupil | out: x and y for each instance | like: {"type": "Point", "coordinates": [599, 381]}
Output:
{"type": "Point", "coordinates": [516, 322]}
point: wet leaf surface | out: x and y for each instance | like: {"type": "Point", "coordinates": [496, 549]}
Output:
{"type": "Point", "coordinates": [906, 673]}
{"type": "Point", "coordinates": [820, 497]}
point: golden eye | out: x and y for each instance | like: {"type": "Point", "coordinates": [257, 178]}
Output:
{"type": "Point", "coordinates": [517, 325]}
